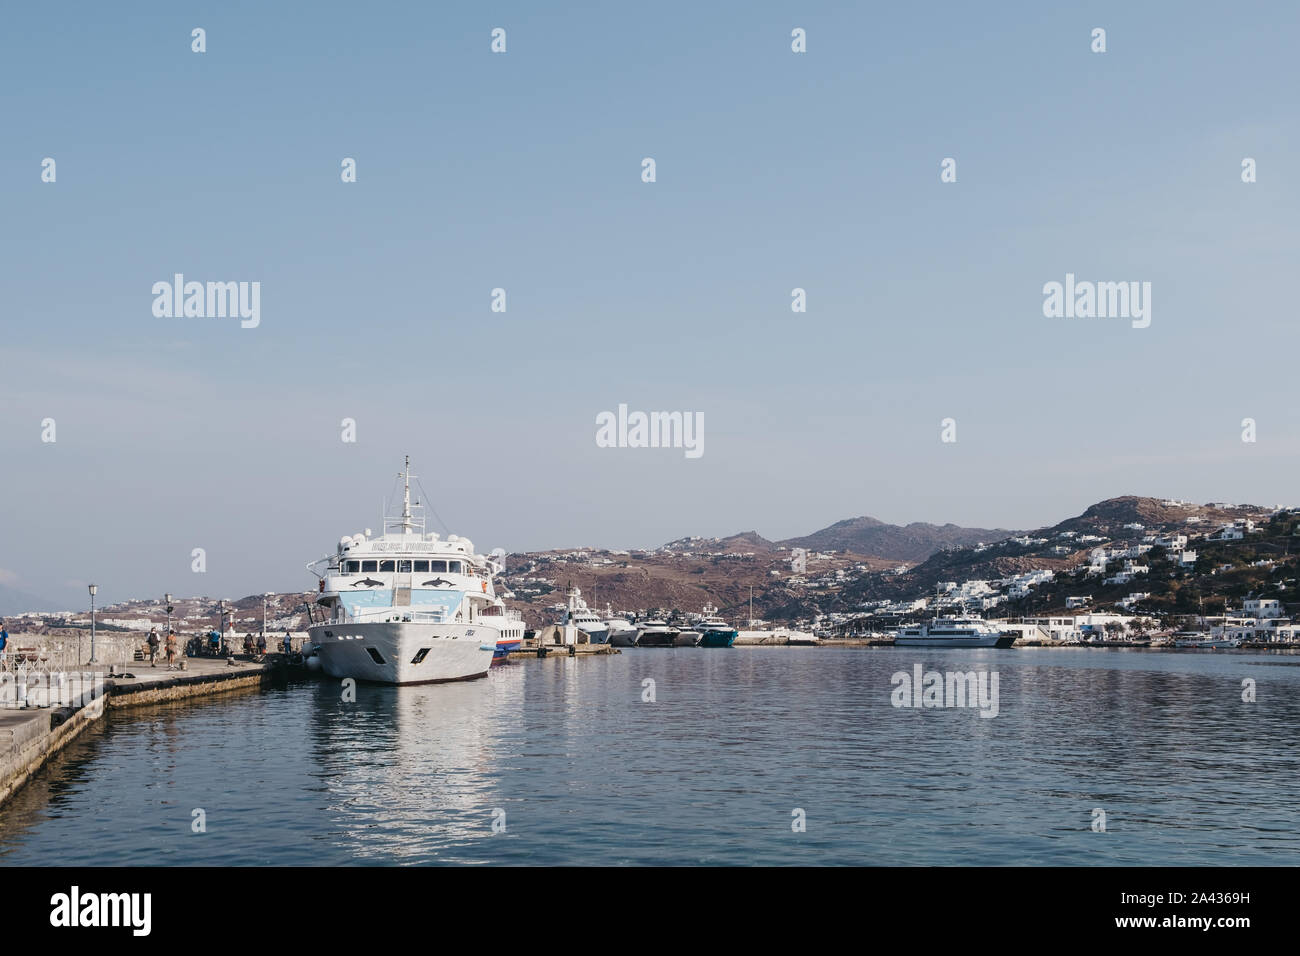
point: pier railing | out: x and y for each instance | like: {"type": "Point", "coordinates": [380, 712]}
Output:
{"type": "Point", "coordinates": [38, 683]}
{"type": "Point", "coordinates": [39, 654]}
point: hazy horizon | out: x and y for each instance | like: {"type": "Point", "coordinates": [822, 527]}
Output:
{"type": "Point", "coordinates": [775, 170]}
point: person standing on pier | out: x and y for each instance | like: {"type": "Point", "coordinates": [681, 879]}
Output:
{"type": "Point", "coordinates": [261, 644]}
{"type": "Point", "coordinates": [153, 647]}
{"type": "Point", "coordinates": [171, 650]}
{"type": "Point", "coordinates": [4, 642]}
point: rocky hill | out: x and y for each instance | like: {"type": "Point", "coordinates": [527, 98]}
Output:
{"type": "Point", "coordinates": [1125, 520]}
{"type": "Point", "coordinates": [907, 543]}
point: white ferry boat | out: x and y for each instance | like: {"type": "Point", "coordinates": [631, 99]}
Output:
{"type": "Point", "coordinates": [408, 607]}
{"type": "Point", "coordinates": [1199, 640]}
{"type": "Point", "coordinates": [952, 632]}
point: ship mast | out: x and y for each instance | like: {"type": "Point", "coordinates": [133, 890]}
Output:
{"type": "Point", "coordinates": [406, 497]}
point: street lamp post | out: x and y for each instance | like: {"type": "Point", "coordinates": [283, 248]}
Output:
{"type": "Point", "coordinates": [221, 622]}
{"type": "Point", "coordinates": [167, 600]}
{"type": "Point", "coordinates": [264, 597]}
{"type": "Point", "coordinates": [93, 589]}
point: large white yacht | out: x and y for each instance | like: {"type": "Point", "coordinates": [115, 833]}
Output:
{"type": "Point", "coordinates": [407, 607]}
{"type": "Point", "coordinates": [952, 632]}
{"type": "Point", "coordinates": [586, 620]}
{"type": "Point", "coordinates": [655, 633]}
{"type": "Point", "coordinates": [621, 632]}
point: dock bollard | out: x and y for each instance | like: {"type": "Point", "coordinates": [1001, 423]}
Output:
{"type": "Point", "coordinates": [573, 650]}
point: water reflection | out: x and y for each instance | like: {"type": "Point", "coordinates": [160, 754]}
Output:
{"type": "Point", "coordinates": [404, 771]}
{"type": "Point", "coordinates": [587, 771]}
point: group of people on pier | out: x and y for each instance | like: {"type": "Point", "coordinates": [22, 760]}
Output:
{"type": "Point", "coordinates": [169, 647]}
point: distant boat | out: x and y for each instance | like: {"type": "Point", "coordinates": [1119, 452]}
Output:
{"type": "Point", "coordinates": [586, 620]}
{"type": "Point", "coordinates": [952, 632]}
{"type": "Point", "coordinates": [621, 633]}
{"type": "Point", "coordinates": [715, 632]}
{"type": "Point", "coordinates": [689, 638]}
{"type": "Point", "coordinates": [511, 627]}
{"type": "Point", "coordinates": [1204, 642]}
{"type": "Point", "coordinates": [655, 634]}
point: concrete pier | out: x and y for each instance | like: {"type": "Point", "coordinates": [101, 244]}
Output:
{"type": "Point", "coordinates": [202, 676]}
{"type": "Point", "coordinates": [534, 650]}
{"type": "Point", "coordinates": [29, 736]}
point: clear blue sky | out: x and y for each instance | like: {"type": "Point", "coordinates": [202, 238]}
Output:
{"type": "Point", "coordinates": [522, 171]}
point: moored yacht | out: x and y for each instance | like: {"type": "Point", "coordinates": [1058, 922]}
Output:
{"type": "Point", "coordinates": [655, 633]}
{"type": "Point", "coordinates": [1199, 640]}
{"type": "Point", "coordinates": [584, 619]}
{"type": "Point", "coordinates": [512, 627]}
{"type": "Point", "coordinates": [406, 607]}
{"type": "Point", "coordinates": [621, 632]}
{"type": "Point", "coordinates": [687, 638]}
{"type": "Point", "coordinates": [715, 632]}
{"type": "Point", "coordinates": [952, 632]}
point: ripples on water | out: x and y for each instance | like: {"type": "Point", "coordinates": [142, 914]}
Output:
{"type": "Point", "coordinates": [709, 773]}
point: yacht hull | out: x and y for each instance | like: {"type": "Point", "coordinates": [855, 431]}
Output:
{"type": "Point", "coordinates": [656, 639]}
{"type": "Point", "coordinates": [718, 638]}
{"type": "Point", "coordinates": [405, 653]}
{"type": "Point", "coordinates": [597, 635]}
{"type": "Point", "coordinates": [993, 640]}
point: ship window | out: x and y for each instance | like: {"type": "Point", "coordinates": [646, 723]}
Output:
{"type": "Point", "coordinates": [368, 566]}
{"type": "Point", "coordinates": [453, 567]}
{"type": "Point", "coordinates": [354, 567]}
{"type": "Point", "coordinates": [385, 565]}
{"type": "Point", "coordinates": [404, 567]}
{"type": "Point", "coordinates": [438, 566]}
{"type": "Point", "coordinates": [419, 655]}
{"type": "Point", "coordinates": [374, 655]}
{"type": "Point", "coordinates": [421, 566]}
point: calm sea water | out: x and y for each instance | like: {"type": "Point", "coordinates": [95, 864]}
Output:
{"type": "Point", "coordinates": [586, 772]}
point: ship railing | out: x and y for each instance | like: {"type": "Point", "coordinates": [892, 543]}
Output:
{"type": "Point", "coordinates": [502, 612]}
{"type": "Point", "coordinates": [402, 615]}
{"type": "Point", "coordinates": [426, 617]}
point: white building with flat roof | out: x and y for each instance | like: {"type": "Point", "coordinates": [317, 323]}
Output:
{"type": "Point", "coordinates": [1262, 607]}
